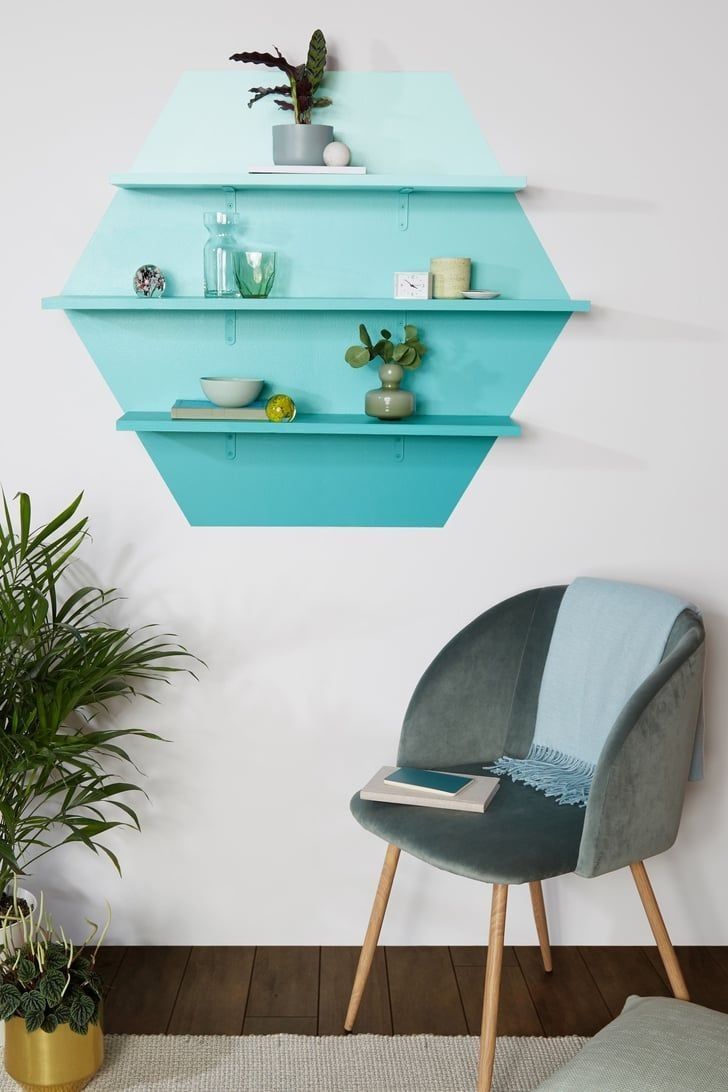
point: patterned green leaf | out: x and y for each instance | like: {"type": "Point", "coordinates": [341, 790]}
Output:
{"type": "Point", "coordinates": [34, 1020]}
{"type": "Point", "coordinates": [364, 335]}
{"type": "Point", "coordinates": [9, 1000]}
{"type": "Point", "coordinates": [56, 956]}
{"type": "Point", "coordinates": [50, 1023]}
{"type": "Point", "coordinates": [82, 1009]}
{"type": "Point", "coordinates": [316, 60]}
{"type": "Point", "coordinates": [51, 986]}
{"type": "Point", "coordinates": [26, 970]}
{"type": "Point", "coordinates": [32, 1002]}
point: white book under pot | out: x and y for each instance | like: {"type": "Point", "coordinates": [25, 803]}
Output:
{"type": "Point", "coordinates": [270, 169]}
{"type": "Point", "coordinates": [474, 797]}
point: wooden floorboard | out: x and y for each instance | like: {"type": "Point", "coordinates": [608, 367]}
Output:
{"type": "Point", "coordinates": [338, 966]}
{"type": "Point", "coordinates": [567, 1000]}
{"type": "Point", "coordinates": [280, 1025]}
{"type": "Point", "coordinates": [411, 990]}
{"type": "Point", "coordinates": [475, 956]}
{"type": "Point", "coordinates": [144, 991]}
{"type": "Point", "coordinates": [108, 961]}
{"type": "Point", "coordinates": [720, 955]}
{"type": "Point", "coordinates": [424, 993]}
{"type": "Point", "coordinates": [284, 986]}
{"type": "Point", "coordinates": [516, 1012]}
{"type": "Point", "coordinates": [706, 978]}
{"type": "Point", "coordinates": [213, 993]}
{"type": "Point", "coordinates": [619, 972]}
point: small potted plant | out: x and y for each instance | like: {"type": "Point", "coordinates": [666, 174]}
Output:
{"type": "Point", "coordinates": [50, 1000]}
{"type": "Point", "coordinates": [301, 144]}
{"type": "Point", "coordinates": [388, 402]}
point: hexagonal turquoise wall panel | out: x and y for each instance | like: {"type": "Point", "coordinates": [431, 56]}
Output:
{"type": "Point", "coordinates": [433, 188]}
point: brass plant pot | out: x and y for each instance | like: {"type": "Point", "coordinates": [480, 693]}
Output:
{"type": "Point", "coordinates": [59, 1061]}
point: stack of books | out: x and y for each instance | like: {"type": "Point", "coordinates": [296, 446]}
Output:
{"type": "Point", "coordinates": [431, 788]}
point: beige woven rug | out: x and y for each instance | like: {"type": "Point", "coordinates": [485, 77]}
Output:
{"type": "Point", "coordinates": [301, 1063]}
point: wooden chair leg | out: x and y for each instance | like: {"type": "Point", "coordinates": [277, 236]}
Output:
{"type": "Point", "coordinates": [491, 994]}
{"type": "Point", "coordinates": [542, 925]}
{"type": "Point", "coordinates": [657, 924]}
{"type": "Point", "coordinates": [372, 935]}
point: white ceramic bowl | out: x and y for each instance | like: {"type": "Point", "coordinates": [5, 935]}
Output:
{"type": "Point", "coordinates": [229, 392]}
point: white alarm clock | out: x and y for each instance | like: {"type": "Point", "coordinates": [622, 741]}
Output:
{"type": "Point", "coordinates": [413, 286]}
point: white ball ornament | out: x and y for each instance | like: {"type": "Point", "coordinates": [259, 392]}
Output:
{"type": "Point", "coordinates": [337, 154]}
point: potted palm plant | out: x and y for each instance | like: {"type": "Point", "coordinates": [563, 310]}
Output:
{"type": "Point", "coordinates": [301, 144]}
{"type": "Point", "coordinates": [63, 663]}
{"type": "Point", "coordinates": [50, 1000]}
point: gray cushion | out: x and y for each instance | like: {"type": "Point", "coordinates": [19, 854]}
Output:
{"type": "Point", "coordinates": [657, 1044]}
{"type": "Point", "coordinates": [522, 836]}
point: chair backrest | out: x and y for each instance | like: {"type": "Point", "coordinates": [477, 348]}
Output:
{"type": "Point", "coordinates": [478, 698]}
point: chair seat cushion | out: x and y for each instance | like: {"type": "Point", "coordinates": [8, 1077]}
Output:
{"type": "Point", "coordinates": [656, 1044]}
{"type": "Point", "coordinates": [522, 835]}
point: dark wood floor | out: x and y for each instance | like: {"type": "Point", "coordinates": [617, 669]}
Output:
{"type": "Point", "coordinates": [254, 991]}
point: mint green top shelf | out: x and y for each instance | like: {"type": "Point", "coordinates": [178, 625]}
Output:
{"type": "Point", "coordinates": [330, 424]}
{"type": "Point", "coordinates": [302, 303]}
{"type": "Point", "coordinates": [436, 183]}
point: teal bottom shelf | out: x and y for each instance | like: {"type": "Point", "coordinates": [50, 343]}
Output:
{"type": "Point", "coordinates": [316, 480]}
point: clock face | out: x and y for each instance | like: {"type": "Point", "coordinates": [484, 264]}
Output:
{"type": "Point", "coordinates": [412, 286]}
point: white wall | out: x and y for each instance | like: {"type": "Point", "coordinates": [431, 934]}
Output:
{"type": "Point", "coordinates": [613, 110]}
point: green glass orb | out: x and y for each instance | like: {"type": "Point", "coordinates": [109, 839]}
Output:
{"type": "Point", "coordinates": [280, 408]}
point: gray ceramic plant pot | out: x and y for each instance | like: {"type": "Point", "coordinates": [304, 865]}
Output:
{"type": "Point", "coordinates": [388, 402]}
{"type": "Point", "coordinates": [301, 145]}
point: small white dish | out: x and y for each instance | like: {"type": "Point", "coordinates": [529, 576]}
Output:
{"type": "Point", "coordinates": [230, 392]}
{"type": "Point", "coordinates": [486, 294]}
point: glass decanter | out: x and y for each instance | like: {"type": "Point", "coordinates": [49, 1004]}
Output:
{"type": "Point", "coordinates": [221, 254]}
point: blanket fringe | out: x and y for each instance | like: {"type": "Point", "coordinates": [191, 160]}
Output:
{"type": "Point", "coordinates": [554, 773]}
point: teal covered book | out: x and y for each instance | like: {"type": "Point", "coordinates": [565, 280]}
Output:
{"type": "Point", "coordinates": [429, 780]}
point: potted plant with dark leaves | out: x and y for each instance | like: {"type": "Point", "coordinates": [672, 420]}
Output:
{"type": "Point", "coordinates": [63, 665]}
{"type": "Point", "coordinates": [301, 144]}
{"type": "Point", "coordinates": [388, 402]}
{"type": "Point", "coordinates": [50, 1000]}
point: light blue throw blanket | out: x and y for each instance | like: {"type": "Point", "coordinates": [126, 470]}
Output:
{"type": "Point", "coordinates": [607, 639]}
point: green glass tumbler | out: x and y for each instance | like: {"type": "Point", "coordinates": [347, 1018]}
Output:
{"type": "Point", "coordinates": [255, 271]}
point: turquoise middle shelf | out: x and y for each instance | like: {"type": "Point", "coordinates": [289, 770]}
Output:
{"type": "Point", "coordinates": [330, 424]}
{"type": "Point", "coordinates": [305, 303]}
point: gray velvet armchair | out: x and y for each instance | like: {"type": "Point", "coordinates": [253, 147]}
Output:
{"type": "Point", "coordinates": [476, 702]}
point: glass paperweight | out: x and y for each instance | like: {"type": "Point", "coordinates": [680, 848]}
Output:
{"type": "Point", "coordinates": [255, 271]}
{"type": "Point", "coordinates": [280, 408]}
{"type": "Point", "coordinates": [222, 253]}
{"type": "Point", "coordinates": [149, 281]}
